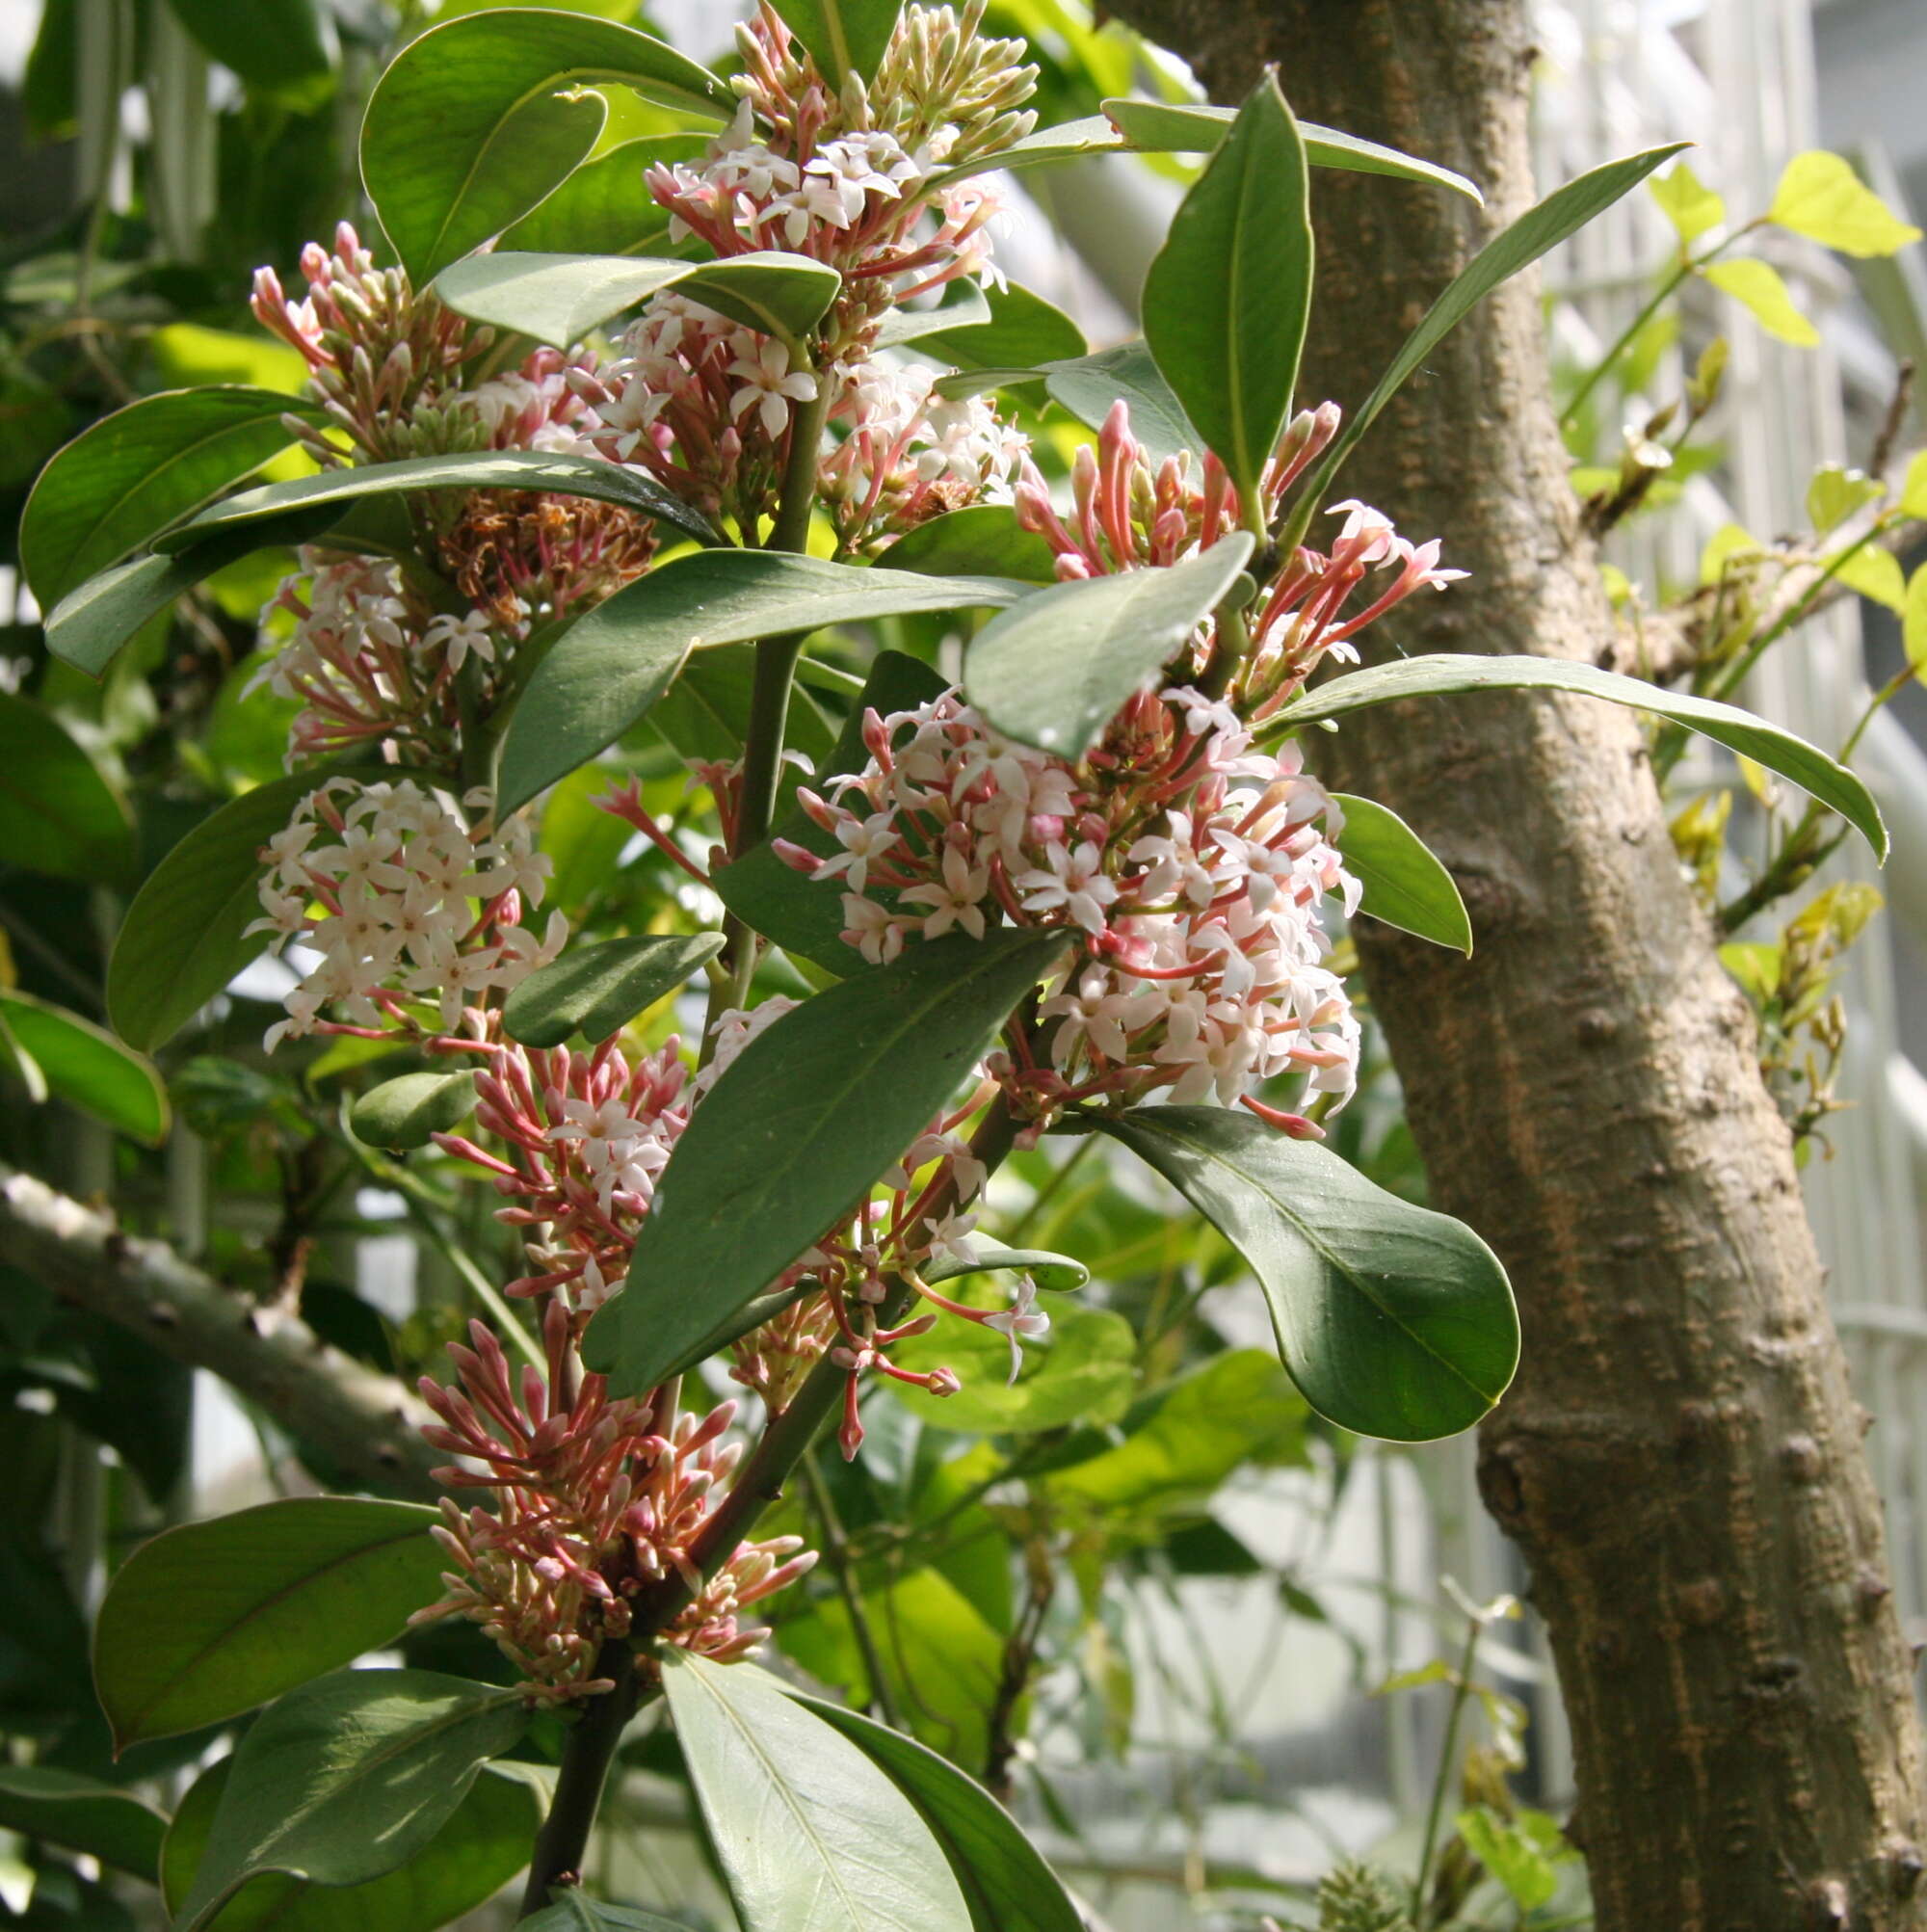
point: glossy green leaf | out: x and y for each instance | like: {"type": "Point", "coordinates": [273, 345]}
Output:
{"type": "Point", "coordinates": [801, 915]}
{"type": "Point", "coordinates": [984, 539]}
{"type": "Point", "coordinates": [1166, 128]}
{"type": "Point", "coordinates": [1004, 1880]}
{"type": "Point", "coordinates": [605, 208]}
{"type": "Point", "coordinates": [1061, 1273]}
{"type": "Point", "coordinates": [88, 626]}
{"type": "Point", "coordinates": [1562, 214]}
{"type": "Point", "coordinates": [408, 1111]}
{"type": "Point", "coordinates": [573, 1911]}
{"type": "Point", "coordinates": [608, 669]}
{"type": "Point", "coordinates": [596, 989]}
{"type": "Point", "coordinates": [276, 46]}
{"type": "Point", "coordinates": [1056, 670]}
{"type": "Point", "coordinates": [964, 307]}
{"type": "Point", "coordinates": [1019, 330]}
{"type": "Point", "coordinates": [211, 1619]}
{"type": "Point", "coordinates": [57, 813]}
{"type": "Point", "coordinates": [481, 1847]}
{"type": "Point", "coordinates": [346, 1778]}
{"type": "Point", "coordinates": [133, 474]}
{"type": "Point", "coordinates": [185, 935]}
{"type": "Point", "coordinates": [800, 1126]}
{"type": "Point", "coordinates": [477, 121]}
{"type": "Point", "coordinates": [553, 473]}
{"type": "Point", "coordinates": [1393, 1321]}
{"type": "Point", "coordinates": [1449, 674]}
{"type": "Point", "coordinates": [1405, 884]}
{"type": "Point", "coordinates": [87, 1066]}
{"type": "Point", "coordinates": [1083, 1371]}
{"type": "Point", "coordinates": [844, 36]}
{"type": "Point", "coordinates": [1090, 385]}
{"type": "Point", "coordinates": [83, 1814]}
{"type": "Point", "coordinates": [812, 1836]}
{"type": "Point", "coordinates": [563, 299]}
{"type": "Point", "coordinates": [1227, 298]}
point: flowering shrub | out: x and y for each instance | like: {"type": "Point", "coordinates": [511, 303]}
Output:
{"type": "Point", "coordinates": [1081, 882]}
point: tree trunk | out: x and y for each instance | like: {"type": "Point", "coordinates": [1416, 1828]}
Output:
{"type": "Point", "coordinates": [1681, 1458]}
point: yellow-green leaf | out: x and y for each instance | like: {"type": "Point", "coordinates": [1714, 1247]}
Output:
{"type": "Point", "coordinates": [1913, 621]}
{"type": "Point", "coordinates": [1877, 574]}
{"type": "Point", "coordinates": [1820, 196]}
{"type": "Point", "coordinates": [1687, 202]}
{"type": "Point", "coordinates": [1914, 492]}
{"type": "Point", "coordinates": [1760, 287]}
{"type": "Point", "coordinates": [1728, 541]}
{"type": "Point", "coordinates": [1836, 492]}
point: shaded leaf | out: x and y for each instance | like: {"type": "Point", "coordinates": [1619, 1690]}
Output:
{"type": "Point", "coordinates": [1084, 1371]}
{"type": "Point", "coordinates": [596, 989]}
{"type": "Point", "coordinates": [57, 813]}
{"type": "Point", "coordinates": [573, 1911]}
{"type": "Point", "coordinates": [604, 208]}
{"type": "Point", "coordinates": [1090, 385]}
{"type": "Point", "coordinates": [276, 46]}
{"type": "Point", "coordinates": [1018, 331]}
{"type": "Point", "coordinates": [984, 540]}
{"type": "Point", "coordinates": [409, 1110]}
{"type": "Point", "coordinates": [1405, 884]}
{"type": "Point", "coordinates": [87, 1066]}
{"type": "Point", "coordinates": [84, 1815]}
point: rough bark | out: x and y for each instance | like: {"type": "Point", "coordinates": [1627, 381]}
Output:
{"type": "Point", "coordinates": [364, 1421]}
{"type": "Point", "coordinates": [1681, 1458]}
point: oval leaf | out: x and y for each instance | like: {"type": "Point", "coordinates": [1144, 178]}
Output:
{"type": "Point", "coordinates": [1004, 1879]}
{"type": "Point", "coordinates": [475, 121]}
{"type": "Point", "coordinates": [1089, 385]}
{"type": "Point", "coordinates": [604, 208]}
{"type": "Point", "coordinates": [561, 299]}
{"type": "Point", "coordinates": [347, 1779]}
{"type": "Point", "coordinates": [1227, 297]}
{"type": "Point", "coordinates": [276, 46]}
{"type": "Point", "coordinates": [1405, 884]}
{"type": "Point", "coordinates": [1056, 670]}
{"type": "Point", "coordinates": [1082, 1373]}
{"type": "Point", "coordinates": [84, 1815]}
{"type": "Point", "coordinates": [131, 475]}
{"type": "Point", "coordinates": [595, 990]}
{"type": "Point", "coordinates": [554, 472]}
{"type": "Point", "coordinates": [57, 813]}
{"type": "Point", "coordinates": [800, 1126]}
{"type": "Point", "coordinates": [984, 539]}
{"type": "Point", "coordinates": [609, 668]}
{"type": "Point", "coordinates": [1449, 674]}
{"type": "Point", "coordinates": [481, 1847]}
{"type": "Point", "coordinates": [1018, 331]}
{"type": "Point", "coordinates": [1393, 1321]}
{"type": "Point", "coordinates": [810, 1834]}
{"type": "Point", "coordinates": [89, 1067]}
{"type": "Point", "coordinates": [408, 1111]}
{"type": "Point", "coordinates": [209, 1620]}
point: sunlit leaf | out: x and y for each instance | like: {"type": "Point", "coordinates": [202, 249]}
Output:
{"type": "Point", "coordinates": [1686, 201]}
{"type": "Point", "coordinates": [1405, 884]}
{"type": "Point", "coordinates": [1820, 196]}
{"type": "Point", "coordinates": [1765, 292]}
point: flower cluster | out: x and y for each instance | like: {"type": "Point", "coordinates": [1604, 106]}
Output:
{"type": "Point", "coordinates": [419, 929]}
{"type": "Point", "coordinates": [596, 1501]}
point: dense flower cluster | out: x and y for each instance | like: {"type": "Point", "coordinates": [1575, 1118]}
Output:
{"type": "Point", "coordinates": [420, 924]}
{"type": "Point", "coordinates": [596, 1500]}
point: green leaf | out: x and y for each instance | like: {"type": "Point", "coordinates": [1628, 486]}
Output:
{"type": "Point", "coordinates": [89, 1067]}
{"type": "Point", "coordinates": [1511, 1856]}
{"type": "Point", "coordinates": [1452, 674]}
{"type": "Point", "coordinates": [562, 298]}
{"type": "Point", "coordinates": [552, 472]}
{"type": "Point", "coordinates": [1543, 227]}
{"type": "Point", "coordinates": [276, 46]}
{"type": "Point", "coordinates": [1763, 290]}
{"type": "Point", "coordinates": [844, 36]}
{"type": "Point", "coordinates": [1393, 1321]}
{"type": "Point", "coordinates": [88, 626]}
{"type": "Point", "coordinates": [1834, 492]}
{"type": "Point", "coordinates": [83, 1814]}
{"type": "Point", "coordinates": [1090, 385]}
{"type": "Point", "coordinates": [596, 989]}
{"type": "Point", "coordinates": [346, 1778]}
{"type": "Point", "coordinates": [1686, 202]}
{"type": "Point", "coordinates": [1820, 196]}
{"type": "Point", "coordinates": [604, 208]}
{"type": "Point", "coordinates": [1018, 331]}
{"type": "Point", "coordinates": [185, 935]}
{"type": "Point", "coordinates": [481, 1847]}
{"type": "Point", "coordinates": [131, 475]}
{"type": "Point", "coordinates": [1005, 1882]}
{"type": "Point", "coordinates": [1165, 127]}
{"type": "Point", "coordinates": [794, 1134]}
{"type": "Point", "coordinates": [610, 665]}
{"type": "Point", "coordinates": [1056, 670]}
{"type": "Point", "coordinates": [211, 1619]}
{"type": "Point", "coordinates": [57, 813]}
{"type": "Point", "coordinates": [1227, 298]}
{"type": "Point", "coordinates": [964, 305]}
{"type": "Point", "coordinates": [984, 539]}
{"type": "Point", "coordinates": [1914, 490]}
{"type": "Point", "coordinates": [1082, 1372]}
{"type": "Point", "coordinates": [477, 121]}
{"type": "Point", "coordinates": [810, 1834]}
{"type": "Point", "coordinates": [408, 1111]}
{"type": "Point", "coordinates": [1875, 574]}
{"type": "Point", "coordinates": [1913, 621]}
{"type": "Point", "coordinates": [1405, 884]}
{"type": "Point", "coordinates": [573, 1912]}
{"type": "Point", "coordinates": [1062, 1274]}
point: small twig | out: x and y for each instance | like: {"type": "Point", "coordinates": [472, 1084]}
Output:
{"type": "Point", "coordinates": [1019, 1654]}
{"type": "Point", "coordinates": [837, 1554]}
{"type": "Point", "coordinates": [1887, 440]}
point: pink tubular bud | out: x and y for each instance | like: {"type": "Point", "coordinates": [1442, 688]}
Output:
{"type": "Point", "coordinates": [798, 857]}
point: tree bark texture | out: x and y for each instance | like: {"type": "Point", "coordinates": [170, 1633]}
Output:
{"type": "Point", "coordinates": [1681, 1458]}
